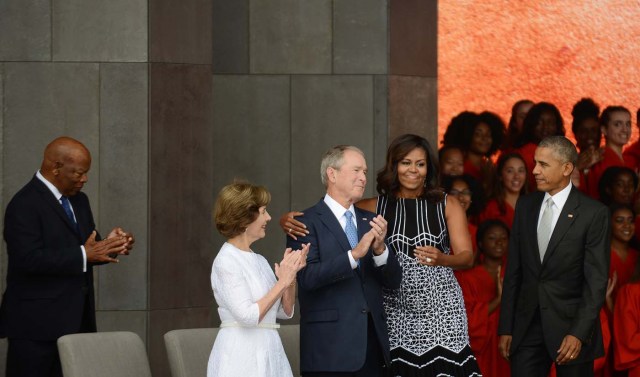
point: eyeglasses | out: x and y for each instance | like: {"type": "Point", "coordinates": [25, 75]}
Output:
{"type": "Point", "coordinates": [457, 192]}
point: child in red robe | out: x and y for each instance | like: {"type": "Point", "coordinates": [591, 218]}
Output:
{"type": "Point", "coordinates": [482, 291]}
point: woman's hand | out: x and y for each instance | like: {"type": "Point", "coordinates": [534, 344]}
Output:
{"type": "Point", "coordinates": [293, 227]}
{"type": "Point", "coordinates": [292, 262]}
{"type": "Point", "coordinates": [611, 285]}
{"type": "Point", "coordinates": [428, 255]}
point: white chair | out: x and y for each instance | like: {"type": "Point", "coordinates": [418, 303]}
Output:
{"type": "Point", "coordinates": [103, 354]}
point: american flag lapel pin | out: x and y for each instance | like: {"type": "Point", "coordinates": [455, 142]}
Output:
{"type": "Point", "coordinates": [364, 219]}
{"type": "Point", "coordinates": [570, 215]}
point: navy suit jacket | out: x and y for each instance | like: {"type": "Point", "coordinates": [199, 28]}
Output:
{"type": "Point", "coordinates": [336, 300]}
{"type": "Point", "coordinates": [47, 292]}
{"type": "Point", "coordinates": [568, 286]}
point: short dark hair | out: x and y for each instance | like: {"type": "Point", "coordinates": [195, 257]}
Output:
{"type": "Point", "coordinates": [562, 147]}
{"type": "Point", "coordinates": [608, 177]}
{"type": "Point", "coordinates": [484, 227]}
{"type": "Point", "coordinates": [237, 206]}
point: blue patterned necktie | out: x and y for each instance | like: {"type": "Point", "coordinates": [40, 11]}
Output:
{"type": "Point", "coordinates": [67, 209]}
{"type": "Point", "coordinates": [350, 230]}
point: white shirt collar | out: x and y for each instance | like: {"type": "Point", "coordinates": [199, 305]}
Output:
{"type": "Point", "coordinates": [560, 198]}
{"type": "Point", "coordinates": [52, 188]}
{"type": "Point", "coordinates": [337, 209]}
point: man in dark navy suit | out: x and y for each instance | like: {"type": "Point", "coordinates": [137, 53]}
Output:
{"type": "Point", "coordinates": [343, 328]}
{"type": "Point", "coordinates": [557, 270]}
{"type": "Point", "coordinates": [52, 246]}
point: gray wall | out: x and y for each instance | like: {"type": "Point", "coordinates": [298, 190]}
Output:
{"type": "Point", "coordinates": [176, 99]}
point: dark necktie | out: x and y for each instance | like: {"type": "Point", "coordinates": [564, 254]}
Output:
{"type": "Point", "coordinates": [67, 209]}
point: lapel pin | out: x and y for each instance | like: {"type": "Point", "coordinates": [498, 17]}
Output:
{"type": "Point", "coordinates": [570, 215]}
{"type": "Point", "coordinates": [364, 219]}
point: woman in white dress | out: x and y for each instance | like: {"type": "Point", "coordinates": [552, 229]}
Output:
{"type": "Point", "coordinates": [249, 295]}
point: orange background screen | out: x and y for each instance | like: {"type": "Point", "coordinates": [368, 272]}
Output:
{"type": "Point", "coordinates": [492, 53]}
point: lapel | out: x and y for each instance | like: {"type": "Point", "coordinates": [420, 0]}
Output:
{"type": "Point", "coordinates": [363, 222]}
{"type": "Point", "coordinates": [50, 200]}
{"type": "Point", "coordinates": [567, 217]}
{"type": "Point", "coordinates": [333, 225]}
{"type": "Point", "coordinates": [536, 204]}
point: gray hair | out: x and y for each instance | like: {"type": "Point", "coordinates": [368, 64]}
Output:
{"type": "Point", "coordinates": [334, 159]}
{"type": "Point", "coordinates": [562, 147]}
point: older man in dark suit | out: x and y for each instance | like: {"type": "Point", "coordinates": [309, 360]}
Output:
{"type": "Point", "coordinates": [343, 330]}
{"type": "Point", "coordinates": [52, 245]}
{"type": "Point", "coordinates": [556, 274]}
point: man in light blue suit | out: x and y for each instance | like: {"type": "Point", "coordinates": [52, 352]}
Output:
{"type": "Point", "coordinates": [343, 328]}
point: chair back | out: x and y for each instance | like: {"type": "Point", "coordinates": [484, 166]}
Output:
{"type": "Point", "coordinates": [188, 351]}
{"type": "Point", "coordinates": [103, 354]}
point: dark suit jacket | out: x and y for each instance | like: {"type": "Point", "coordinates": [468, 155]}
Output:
{"type": "Point", "coordinates": [46, 289]}
{"type": "Point", "coordinates": [568, 287]}
{"type": "Point", "coordinates": [335, 299]}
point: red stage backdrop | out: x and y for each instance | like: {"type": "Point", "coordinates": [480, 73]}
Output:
{"type": "Point", "coordinates": [492, 53]}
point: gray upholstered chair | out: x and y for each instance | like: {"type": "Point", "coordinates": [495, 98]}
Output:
{"type": "Point", "coordinates": [290, 335]}
{"type": "Point", "coordinates": [188, 351]}
{"type": "Point", "coordinates": [103, 354]}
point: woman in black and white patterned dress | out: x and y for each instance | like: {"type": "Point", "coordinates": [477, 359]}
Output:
{"type": "Point", "coordinates": [426, 318]}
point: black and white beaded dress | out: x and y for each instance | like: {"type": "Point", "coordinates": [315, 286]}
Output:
{"type": "Point", "coordinates": [426, 317]}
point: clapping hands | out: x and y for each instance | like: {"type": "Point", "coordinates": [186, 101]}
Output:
{"type": "Point", "coordinates": [292, 262]}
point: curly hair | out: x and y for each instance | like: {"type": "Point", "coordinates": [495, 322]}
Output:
{"type": "Point", "coordinates": [237, 206]}
{"type": "Point", "coordinates": [584, 109]}
{"type": "Point", "coordinates": [461, 129]}
{"type": "Point", "coordinates": [532, 119]}
{"type": "Point", "coordinates": [387, 179]}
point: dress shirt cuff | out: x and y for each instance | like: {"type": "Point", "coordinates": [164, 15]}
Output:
{"type": "Point", "coordinates": [84, 259]}
{"type": "Point", "coordinates": [381, 260]}
{"type": "Point", "coordinates": [352, 261]}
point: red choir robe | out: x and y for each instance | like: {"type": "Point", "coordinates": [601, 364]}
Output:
{"type": "Point", "coordinates": [478, 289]}
{"type": "Point", "coordinates": [609, 159]}
{"type": "Point", "coordinates": [626, 329]}
{"type": "Point", "coordinates": [472, 170]}
{"type": "Point", "coordinates": [624, 268]}
{"type": "Point", "coordinates": [492, 211]}
{"type": "Point", "coordinates": [631, 155]}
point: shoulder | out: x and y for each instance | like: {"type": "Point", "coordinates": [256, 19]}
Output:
{"type": "Point", "coordinates": [366, 212]}
{"type": "Point", "coordinates": [587, 201]}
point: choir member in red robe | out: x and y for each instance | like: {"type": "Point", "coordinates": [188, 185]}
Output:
{"type": "Point", "coordinates": [586, 129]}
{"type": "Point", "coordinates": [482, 291]}
{"type": "Point", "coordinates": [451, 160]}
{"type": "Point", "coordinates": [631, 154]}
{"type": "Point", "coordinates": [510, 183]}
{"type": "Point", "coordinates": [479, 136]}
{"type": "Point", "coordinates": [615, 123]}
{"type": "Point", "coordinates": [626, 326]}
{"type": "Point", "coordinates": [470, 195]}
{"type": "Point", "coordinates": [544, 119]}
{"type": "Point", "coordinates": [519, 111]}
